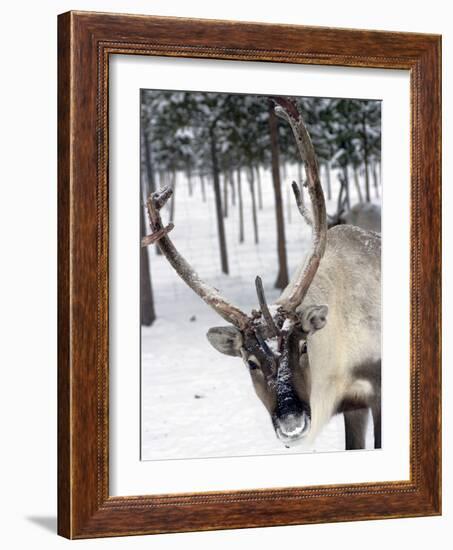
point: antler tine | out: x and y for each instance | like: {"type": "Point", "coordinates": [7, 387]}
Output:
{"type": "Point", "coordinates": [264, 307]}
{"type": "Point", "coordinates": [209, 294]}
{"type": "Point", "coordinates": [287, 109]}
{"type": "Point", "coordinates": [304, 212]}
{"type": "Point", "coordinates": [154, 237]}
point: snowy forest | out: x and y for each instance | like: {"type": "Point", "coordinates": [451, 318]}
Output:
{"type": "Point", "coordinates": [230, 162]}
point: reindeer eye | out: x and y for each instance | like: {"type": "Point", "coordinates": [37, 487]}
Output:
{"type": "Point", "coordinates": [302, 347]}
{"type": "Point", "coordinates": [252, 362]}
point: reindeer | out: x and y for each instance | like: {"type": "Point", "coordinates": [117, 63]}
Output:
{"type": "Point", "coordinates": [316, 352]}
{"type": "Point", "coordinates": [365, 215]}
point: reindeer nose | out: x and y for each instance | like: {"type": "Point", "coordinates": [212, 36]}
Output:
{"type": "Point", "coordinates": [293, 426]}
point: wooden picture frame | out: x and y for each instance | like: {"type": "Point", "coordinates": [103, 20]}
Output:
{"type": "Point", "coordinates": [85, 41]}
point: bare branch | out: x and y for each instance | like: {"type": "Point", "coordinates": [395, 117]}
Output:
{"type": "Point", "coordinates": [209, 294]}
{"type": "Point", "coordinates": [287, 109]}
{"type": "Point", "coordinates": [264, 308]}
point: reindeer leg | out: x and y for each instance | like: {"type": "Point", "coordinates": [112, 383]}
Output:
{"type": "Point", "coordinates": [355, 423]}
{"type": "Point", "coordinates": [376, 411]}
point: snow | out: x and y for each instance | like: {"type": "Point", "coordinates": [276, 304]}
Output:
{"type": "Point", "coordinates": [286, 325]}
{"type": "Point", "coordinates": [272, 344]}
{"type": "Point", "coordinates": [196, 402]}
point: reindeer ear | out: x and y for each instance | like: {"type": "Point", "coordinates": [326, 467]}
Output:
{"type": "Point", "coordinates": [227, 340]}
{"type": "Point", "coordinates": [313, 318]}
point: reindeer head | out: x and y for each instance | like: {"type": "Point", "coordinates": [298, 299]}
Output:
{"type": "Point", "coordinates": [276, 354]}
{"type": "Point", "coordinates": [274, 342]}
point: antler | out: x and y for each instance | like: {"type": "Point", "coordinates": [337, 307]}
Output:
{"type": "Point", "coordinates": [288, 110]}
{"type": "Point", "coordinates": [304, 212]}
{"type": "Point", "coordinates": [209, 294]}
{"type": "Point", "coordinates": [273, 331]}
{"type": "Point", "coordinates": [291, 298]}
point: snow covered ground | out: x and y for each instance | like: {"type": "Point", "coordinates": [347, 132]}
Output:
{"type": "Point", "coordinates": [196, 402]}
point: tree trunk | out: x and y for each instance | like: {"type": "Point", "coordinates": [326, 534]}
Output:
{"type": "Point", "coordinates": [367, 182]}
{"type": "Point", "coordinates": [147, 311]}
{"type": "Point", "coordinates": [299, 174]}
{"type": "Point", "coordinates": [329, 185]}
{"type": "Point", "coordinates": [218, 204]}
{"type": "Point", "coordinates": [340, 200]}
{"type": "Point", "coordinates": [346, 187]}
{"type": "Point", "coordinates": [203, 188]}
{"type": "Point", "coordinates": [357, 184]}
{"type": "Point", "coordinates": [252, 193]}
{"type": "Point", "coordinates": [163, 181]}
{"type": "Point", "coordinates": [282, 276]}
{"type": "Point", "coordinates": [365, 159]}
{"type": "Point", "coordinates": [173, 197]}
{"type": "Point", "coordinates": [150, 185]}
{"type": "Point", "coordinates": [225, 195]}
{"type": "Point", "coordinates": [284, 171]}
{"type": "Point", "coordinates": [233, 188]}
{"type": "Point", "coordinates": [189, 180]}
{"type": "Point", "coordinates": [150, 182]}
{"type": "Point", "coordinates": [241, 208]}
{"type": "Point", "coordinates": [150, 178]}
{"type": "Point", "coordinates": [375, 180]}
{"type": "Point", "coordinates": [288, 203]}
{"type": "Point", "coordinates": [260, 190]}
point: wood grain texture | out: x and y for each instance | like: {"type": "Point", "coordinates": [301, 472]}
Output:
{"type": "Point", "coordinates": [85, 42]}
{"type": "Point", "coordinates": [64, 390]}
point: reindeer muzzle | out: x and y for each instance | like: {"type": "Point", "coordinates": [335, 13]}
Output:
{"type": "Point", "coordinates": [292, 427]}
